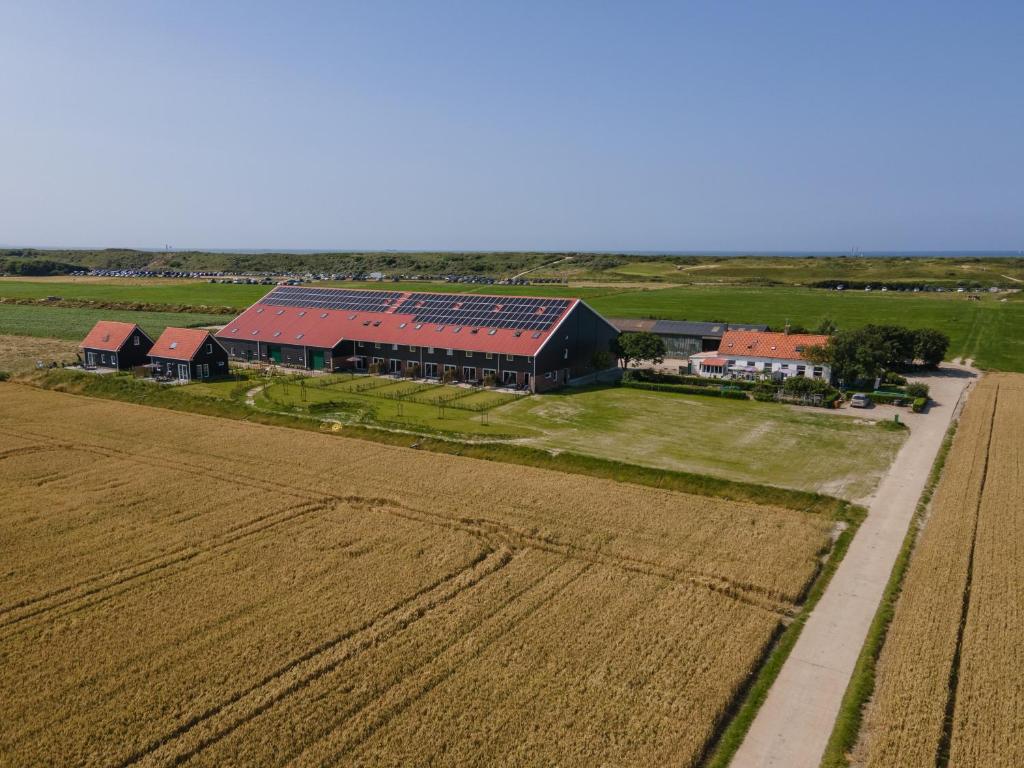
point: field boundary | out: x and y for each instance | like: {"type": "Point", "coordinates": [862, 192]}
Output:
{"type": "Point", "coordinates": [127, 389]}
{"type": "Point", "coordinates": [862, 683]}
{"type": "Point", "coordinates": [720, 751]}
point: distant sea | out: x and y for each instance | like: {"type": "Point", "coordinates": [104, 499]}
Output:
{"type": "Point", "coordinates": [946, 254]}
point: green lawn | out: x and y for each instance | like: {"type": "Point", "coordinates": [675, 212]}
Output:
{"type": "Point", "coordinates": [392, 403]}
{"type": "Point", "coordinates": [190, 293]}
{"type": "Point", "coordinates": [58, 323]}
{"type": "Point", "coordinates": [736, 439]}
{"type": "Point", "coordinates": [744, 440]}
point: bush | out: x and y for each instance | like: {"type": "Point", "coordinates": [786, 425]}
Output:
{"type": "Point", "coordinates": [686, 389]}
{"type": "Point", "coordinates": [646, 374]}
{"type": "Point", "coordinates": [765, 391]}
{"type": "Point", "coordinates": [890, 398]}
{"type": "Point", "coordinates": [917, 390]}
{"type": "Point", "coordinates": [891, 377]}
{"type": "Point", "coordinates": [919, 404]}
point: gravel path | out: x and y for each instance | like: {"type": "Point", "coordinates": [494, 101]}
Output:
{"type": "Point", "coordinates": [793, 726]}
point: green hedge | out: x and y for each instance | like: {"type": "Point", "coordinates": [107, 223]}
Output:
{"type": "Point", "coordinates": [658, 377]}
{"type": "Point", "coordinates": [687, 389]}
{"type": "Point", "coordinates": [919, 404]}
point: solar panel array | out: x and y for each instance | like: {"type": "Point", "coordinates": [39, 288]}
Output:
{"type": "Point", "coordinates": [458, 310]}
{"type": "Point", "coordinates": [484, 311]}
{"type": "Point", "coordinates": [332, 298]}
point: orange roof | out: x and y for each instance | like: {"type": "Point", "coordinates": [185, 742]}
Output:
{"type": "Point", "coordinates": [782, 346]}
{"type": "Point", "coordinates": [179, 343]}
{"type": "Point", "coordinates": [108, 335]}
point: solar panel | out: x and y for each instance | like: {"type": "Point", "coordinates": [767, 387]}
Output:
{"type": "Point", "coordinates": [452, 309]}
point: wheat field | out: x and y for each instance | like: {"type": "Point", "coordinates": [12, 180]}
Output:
{"type": "Point", "coordinates": [952, 667]}
{"type": "Point", "coordinates": [185, 590]}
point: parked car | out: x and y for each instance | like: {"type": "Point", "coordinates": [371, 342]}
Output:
{"type": "Point", "coordinates": [860, 400]}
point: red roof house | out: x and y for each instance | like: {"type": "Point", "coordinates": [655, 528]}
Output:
{"type": "Point", "coordinates": [764, 353]}
{"type": "Point", "coordinates": [111, 344]}
{"type": "Point", "coordinates": [186, 354]}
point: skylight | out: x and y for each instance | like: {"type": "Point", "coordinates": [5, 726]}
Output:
{"type": "Point", "coordinates": [255, 331]}
{"type": "Point", "coordinates": [323, 315]}
{"type": "Point", "coordinates": [302, 313]}
{"type": "Point", "coordinates": [299, 335]}
{"type": "Point", "coordinates": [276, 334]}
{"type": "Point", "coordinates": [259, 310]}
{"type": "Point", "coordinates": [492, 331]}
{"type": "Point", "coordinates": [402, 325]}
{"type": "Point", "coordinates": [174, 345]}
{"type": "Point", "coordinates": [418, 326]}
{"type": "Point", "coordinates": [279, 312]}
{"type": "Point", "coordinates": [351, 317]}
{"type": "Point", "coordinates": [536, 334]}
{"type": "Point", "coordinates": [457, 329]}
{"type": "Point", "coordinates": [234, 330]}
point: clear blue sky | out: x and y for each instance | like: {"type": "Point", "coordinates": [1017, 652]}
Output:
{"type": "Point", "coordinates": [533, 125]}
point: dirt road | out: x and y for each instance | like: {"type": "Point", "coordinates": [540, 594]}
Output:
{"type": "Point", "coordinates": [795, 722]}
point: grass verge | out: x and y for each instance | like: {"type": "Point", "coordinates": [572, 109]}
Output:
{"type": "Point", "coordinates": [862, 682]}
{"type": "Point", "coordinates": [128, 389]}
{"type": "Point", "coordinates": [721, 752]}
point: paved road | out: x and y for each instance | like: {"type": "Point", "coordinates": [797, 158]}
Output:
{"type": "Point", "coordinates": [795, 722]}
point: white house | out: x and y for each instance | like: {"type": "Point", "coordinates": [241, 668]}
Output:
{"type": "Point", "coordinates": [751, 354]}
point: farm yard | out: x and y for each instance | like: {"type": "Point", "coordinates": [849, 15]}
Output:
{"type": "Point", "coordinates": [207, 592]}
{"type": "Point", "coordinates": [950, 672]}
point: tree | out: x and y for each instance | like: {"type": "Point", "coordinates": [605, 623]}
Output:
{"type": "Point", "coordinates": [827, 326]}
{"type": "Point", "coordinates": [930, 346]}
{"type": "Point", "coordinates": [642, 346]}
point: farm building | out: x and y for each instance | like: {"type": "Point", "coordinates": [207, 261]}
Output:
{"type": "Point", "coordinates": [753, 354]}
{"type": "Point", "coordinates": [683, 338]}
{"type": "Point", "coordinates": [111, 344]}
{"type": "Point", "coordinates": [530, 343]}
{"type": "Point", "coordinates": [188, 354]}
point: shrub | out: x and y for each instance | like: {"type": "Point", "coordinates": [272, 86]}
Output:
{"type": "Point", "coordinates": [686, 389]}
{"type": "Point", "coordinates": [917, 390]}
{"type": "Point", "coordinates": [919, 404]}
{"type": "Point", "coordinates": [891, 377]}
{"type": "Point", "coordinates": [765, 391]}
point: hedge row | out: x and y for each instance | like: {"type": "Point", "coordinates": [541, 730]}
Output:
{"type": "Point", "coordinates": [686, 389]}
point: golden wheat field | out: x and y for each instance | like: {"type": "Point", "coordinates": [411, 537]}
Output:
{"type": "Point", "coordinates": [951, 672]}
{"type": "Point", "coordinates": [184, 590]}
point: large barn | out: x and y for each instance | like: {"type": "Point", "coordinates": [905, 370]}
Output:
{"type": "Point", "coordinates": [531, 343]}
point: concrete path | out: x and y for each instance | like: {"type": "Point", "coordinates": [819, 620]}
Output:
{"type": "Point", "coordinates": [795, 722]}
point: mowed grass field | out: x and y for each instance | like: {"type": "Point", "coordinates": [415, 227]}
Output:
{"type": "Point", "coordinates": [987, 330]}
{"type": "Point", "coordinates": [73, 324]}
{"type": "Point", "coordinates": [763, 443]}
{"type": "Point", "coordinates": [180, 589]}
{"type": "Point", "coordinates": [950, 674]}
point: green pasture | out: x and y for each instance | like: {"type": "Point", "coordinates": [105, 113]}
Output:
{"type": "Point", "coordinates": [990, 330]}
{"type": "Point", "coordinates": [61, 323]}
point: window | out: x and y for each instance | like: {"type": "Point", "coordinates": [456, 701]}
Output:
{"type": "Point", "coordinates": [209, 349]}
{"type": "Point", "coordinates": [135, 340]}
{"type": "Point", "coordinates": [232, 349]}
{"type": "Point", "coordinates": [412, 348]}
{"type": "Point", "coordinates": [818, 371]}
{"type": "Point", "coordinates": [362, 343]}
{"type": "Point", "coordinates": [565, 353]}
{"type": "Point", "coordinates": [488, 372]}
{"type": "Point", "coordinates": [376, 345]}
{"type": "Point", "coordinates": [489, 355]}
{"type": "Point", "coordinates": [206, 371]}
{"type": "Point", "coordinates": [549, 375]}
{"type": "Point", "coordinates": [510, 358]}
{"type": "Point", "coordinates": [450, 352]}
{"type": "Point", "coordinates": [430, 350]}
{"type": "Point", "coordinates": [529, 359]}
{"type": "Point", "coordinates": [468, 353]}
{"type": "Point", "coordinates": [394, 347]}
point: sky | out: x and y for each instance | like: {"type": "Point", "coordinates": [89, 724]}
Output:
{"type": "Point", "coordinates": [719, 125]}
